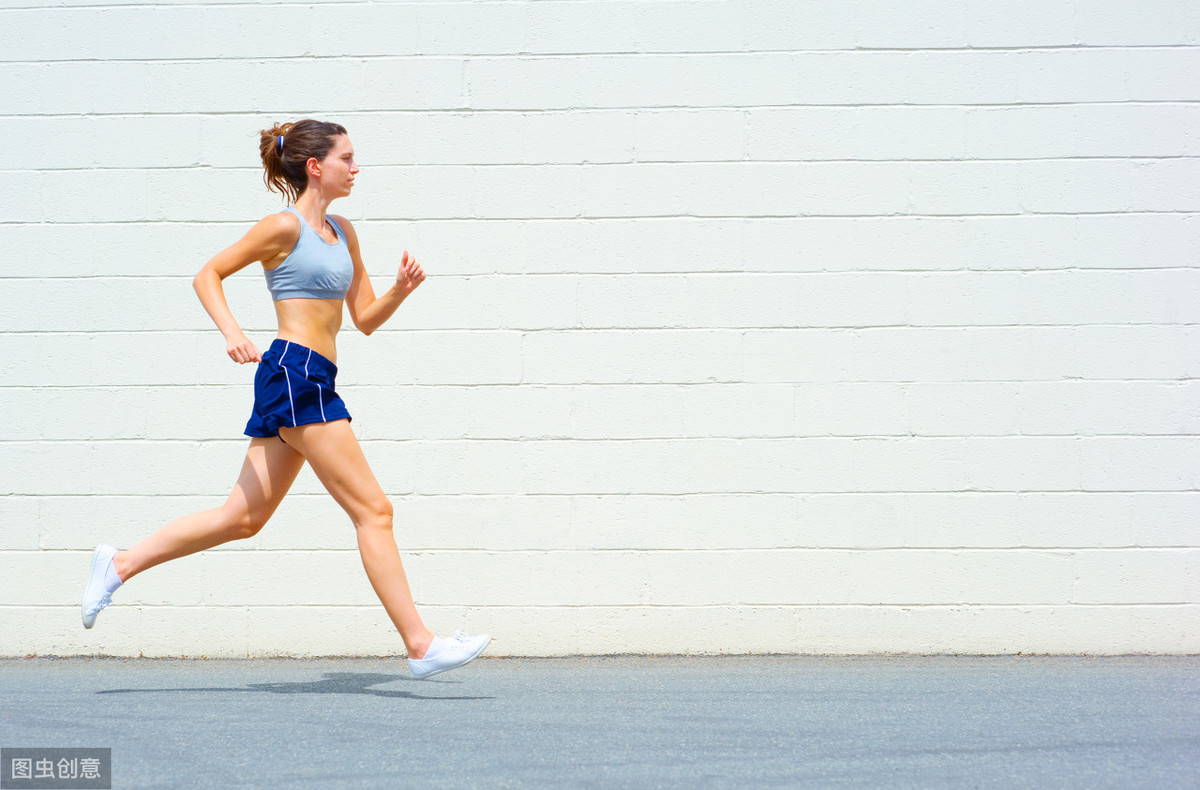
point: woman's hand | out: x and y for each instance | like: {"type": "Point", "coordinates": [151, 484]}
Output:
{"type": "Point", "coordinates": [241, 350]}
{"type": "Point", "coordinates": [410, 274]}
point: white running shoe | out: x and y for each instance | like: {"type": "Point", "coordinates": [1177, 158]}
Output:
{"type": "Point", "coordinates": [444, 654]}
{"type": "Point", "coordinates": [96, 595]}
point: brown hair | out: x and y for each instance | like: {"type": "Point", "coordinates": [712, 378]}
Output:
{"type": "Point", "coordinates": [285, 164]}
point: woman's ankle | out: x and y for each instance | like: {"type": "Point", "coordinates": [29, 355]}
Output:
{"type": "Point", "coordinates": [419, 647]}
{"type": "Point", "coordinates": [121, 566]}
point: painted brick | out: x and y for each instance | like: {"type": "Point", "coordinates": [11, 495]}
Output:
{"type": "Point", "coordinates": [203, 631]}
{"type": "Point", "coordinates": [393, 357]}
{"type": "Point", "coordinates": [656, 411]}
{"type": "Point", "coordinates": [672, 135]}
{"type": "Point", "coordinates": [1151, 23]}
{"type": "Point", "coordinates": [153, 33]}
{"type": "Point", "coordinates": [821, 24]}
{"type": "Point", "coordinates": [878, 320]}
{"type": "Point", "coordinates": [974, 353]}
{"type": "Point", "coordinates": [1136, 240]}
{"type": "Point", "coordinates": [965, 188]}
{"type": "Point", "coordinates": [900, 577]}
{"type": "Point", "coordinates": [1166, 185]}
{"type": "Point", "coordinates": [22, 201]}
{"type": "Point", "coordinates": [1078, 186]}
{"type": "Point", "coordinates": [1108, 407]}
{"type": "Point", "coordinates": [500, 411]}
{"type": "Point", "coordinates": [914, 25]}
{"type": "Point", "coordinates": [1082, 130]}
{"type": "Point", "coordinates": [937, 630]}
{"type": "Point", "coordinates": [881, 133]}
{"type": "Point", "coordinates": [304, 630]}
{"type": "Point", "coordinates": [19, 515]}
{"type": "Point", "coordinates": [339, 29]}
{"type": "Point", "coordinates": [538, 578]}
{"type": "Point", "coordinates": [629, 357]}
{"type": "Point", "coordinates": [1137, 576]}
{"type": "Point", "coordinates": [1024, 23]}
{"type": "Point", "coordinates": [1102, 75]}
{"type": "Point", "coordinates": [1149, 463]}
{"type": "Point", "coordinates": [282, 578]}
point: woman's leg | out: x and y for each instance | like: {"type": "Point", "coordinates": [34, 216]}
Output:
{"type": "Point", "coordinates": [333, 452]}
{"type": "Point", "coordinates": [267, 473]}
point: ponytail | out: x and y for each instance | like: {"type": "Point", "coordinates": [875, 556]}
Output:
{"type": "Point", "coordinates": [286, 149]}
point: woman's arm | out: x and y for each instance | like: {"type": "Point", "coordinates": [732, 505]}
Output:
{"type": "Point", "coordinates": [270, 236]}
{"type": "Point", "coordinates": [366, 310]}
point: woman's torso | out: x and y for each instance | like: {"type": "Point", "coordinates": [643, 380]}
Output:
{"type": "Point", "coordinates": [308, 286]}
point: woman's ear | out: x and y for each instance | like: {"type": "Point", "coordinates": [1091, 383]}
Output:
{"type": "Point", "coordinates": [313, 167]}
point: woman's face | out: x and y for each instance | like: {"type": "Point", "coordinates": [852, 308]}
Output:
{"type": "Point", "coordinates": [338, 168]}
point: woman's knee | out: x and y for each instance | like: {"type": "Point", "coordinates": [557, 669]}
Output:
{"type": "Point", "coordinates": [244, 522]}
{"type": "Point", "coordinates": [376, 514]}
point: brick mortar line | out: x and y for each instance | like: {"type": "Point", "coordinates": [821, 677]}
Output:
{"type": "Point", "coordinates": [676, 274]}
{"type": "Point", "coordinates": [958, 160]}
{"type": "Point", "coordinates": [251, 115]}
{"type": "Point", "coordinates": [652, 550]}
{"type": "Point", "coordinates": [475, 57]}
{"type": "Point", "coordinates": [376, 606]}
{"type": "Point", "coordinates": [670, 384]}
{"type": "Point", "coordinates": [642, 218]}
{"type": "Point", "coordinates": [532, 440]}
{"type": "Point", "coordinates": [739, 218]}
{"type": "Point", "coordinates": [209, 440]}
{"type": "Point", "coordinates": [635, 495]}
{"type": "Point", "coordinates": [465, 109]}
{"type": "Point", "coordinates": [639, 330]}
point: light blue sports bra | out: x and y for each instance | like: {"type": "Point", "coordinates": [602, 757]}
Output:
{"type": "Point", "coordinates": [314, 269]}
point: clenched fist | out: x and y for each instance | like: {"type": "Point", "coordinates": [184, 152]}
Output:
{"type": "Point", "coordinates": [410, 274]}
{"type": "Point", "coordinates": [241, 350]}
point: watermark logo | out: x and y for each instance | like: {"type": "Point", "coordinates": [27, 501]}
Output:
{"type": "Point", "coordinates": [57, 768]}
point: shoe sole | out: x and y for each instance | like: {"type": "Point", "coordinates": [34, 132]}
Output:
{"type": "Point", "coordinates": [474, 656]}
{"type": "Point", "coordinates": [83, 607]}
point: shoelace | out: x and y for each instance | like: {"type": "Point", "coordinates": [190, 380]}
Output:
{"type": "Point", "coordinates": [105, 600]}
{"type": "Point", "coordinates": [460, 636]}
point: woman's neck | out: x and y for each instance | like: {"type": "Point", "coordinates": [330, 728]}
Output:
{"type": "Point", "coordinates": [313, 206]}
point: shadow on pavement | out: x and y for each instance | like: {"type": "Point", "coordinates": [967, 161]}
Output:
{"type": "Point", "coordinates": [334, 683]}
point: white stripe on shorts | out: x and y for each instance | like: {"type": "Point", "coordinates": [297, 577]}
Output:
{"type": "Point", "coordinates": [291, 402]}
{"type": "Point", "coordinates": [320, 402]}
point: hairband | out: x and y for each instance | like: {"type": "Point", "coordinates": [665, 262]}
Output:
{"type": "Point", "coordinates": [281, 142]}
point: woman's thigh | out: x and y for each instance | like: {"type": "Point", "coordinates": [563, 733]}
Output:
{"type": "Point", "coordinates": [268, 471]}
{"type": "Point", "coordinates": [333, 452]}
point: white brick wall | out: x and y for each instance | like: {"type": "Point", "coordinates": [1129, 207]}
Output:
{"type": "Point", "coordinates": [751, 326]}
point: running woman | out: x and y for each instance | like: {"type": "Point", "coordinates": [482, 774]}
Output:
{"type": "Point", "coordinates": [313, 267]}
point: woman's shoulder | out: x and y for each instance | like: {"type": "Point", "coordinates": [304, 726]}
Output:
{"type": "Point", "coordinates": [273, 234]}
{"type": "Point", "coordinates": [283, 224]}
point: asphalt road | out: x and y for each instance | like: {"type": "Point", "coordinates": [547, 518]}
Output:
{"type": "Point", "coordinates": [625, 721]}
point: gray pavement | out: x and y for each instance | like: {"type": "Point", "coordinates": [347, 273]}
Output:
{"type": "Point", "coordinates": [624, 721]}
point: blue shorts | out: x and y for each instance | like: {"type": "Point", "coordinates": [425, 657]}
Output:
{"type": "Point", "coordinates": [293, 386]}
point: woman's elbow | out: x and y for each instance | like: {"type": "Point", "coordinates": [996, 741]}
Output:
{"type": "Point", "coordinates": [200, 279]}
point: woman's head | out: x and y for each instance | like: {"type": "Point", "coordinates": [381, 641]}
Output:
{"type": "Point", "coordinates": [287, 148]}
